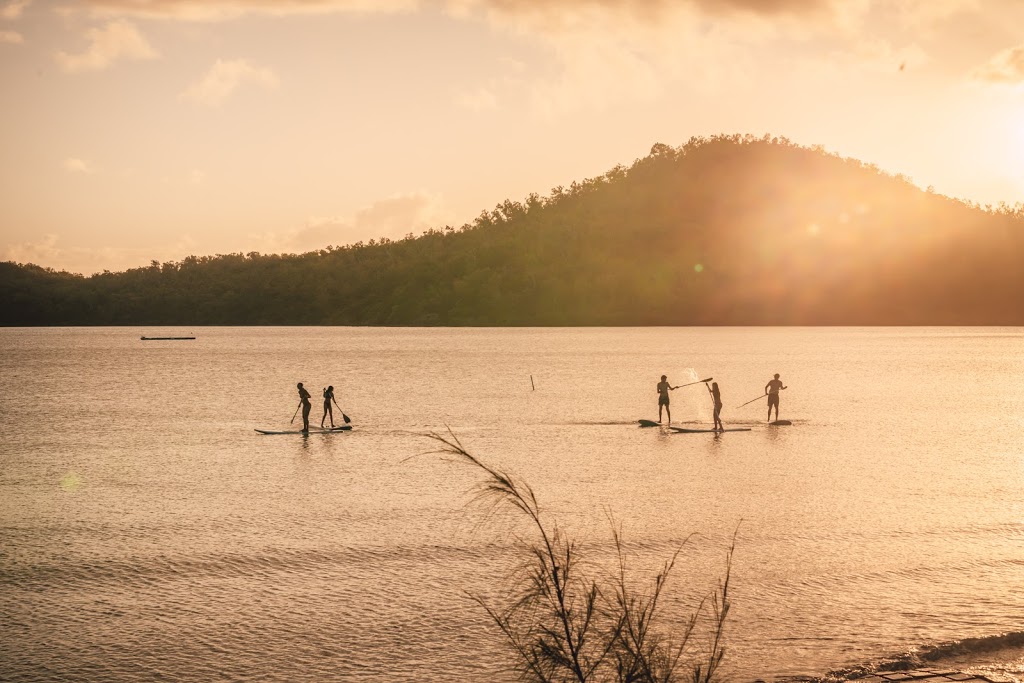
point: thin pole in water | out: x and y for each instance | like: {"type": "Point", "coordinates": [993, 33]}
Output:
{"type": "Point", "coordinates": [532, 385]}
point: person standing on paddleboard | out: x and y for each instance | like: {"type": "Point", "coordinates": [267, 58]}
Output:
{"type": "Point", "coordinates": [306, 406]}
{"type": "Point", "coordinates": [663, 389]}
{"type": "Point", "coordinates": [328, 410]}
{"type": "Point", "coordinates": [716, 396]}
{"type": "Point", "coordinates": [772, 389]}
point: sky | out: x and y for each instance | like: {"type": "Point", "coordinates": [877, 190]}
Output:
{"type": "Point", "coordinates": [141, 130]}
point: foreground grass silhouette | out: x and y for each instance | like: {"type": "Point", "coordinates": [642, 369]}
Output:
{"type": "Point", "coordinates": [561, 625]}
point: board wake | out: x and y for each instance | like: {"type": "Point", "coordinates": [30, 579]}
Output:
{"type": "Point", "coordinates": [681, 430]}
{"type": "Point", "coordinates": [313, 430]}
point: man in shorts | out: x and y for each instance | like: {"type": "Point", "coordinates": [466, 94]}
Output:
{"type": "Point", "coordinates": [663, 389]}
{"type": "Point", "coordinates": [772, 389]}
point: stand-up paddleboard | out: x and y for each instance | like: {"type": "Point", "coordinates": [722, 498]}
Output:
{"type": "Point", "coordinates": [648, 423]}
{"type": "Point", "coordinates": [167, 338]}
{"type": "Point", "coordinates": [680, 430]}
{"type": "Point", "coordinates": [780, 423]}
{"type": "Point", "coordinates": [343, 428]}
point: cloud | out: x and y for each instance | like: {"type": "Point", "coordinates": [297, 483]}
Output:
{"type": "Point", "coordinates": [223, 78]}
{"type": "Point", "coordinates": [594, 75]}
{"type": "Point", "coordinates": [880, 57]}
{"type": "Point", "coordinates": [39, 253]}
{"type": "Point", "coordinates": [119, 40]}
{"type": "Point", "coordinates": [224, 10]}
{"type": "Point", "coordinates": [610, 52]}
{"type": "Point", "coordinates": [74, 165]}
{"type": "Point", "coordinates": [12, 10]}
{"type": "Point", "coordinates": [603, 52]}
{"type": "Point", "coordinates": [826, 13]}
{"type": "Point", "coordinates": [914, 13]}
{"type": "Point", "coordinates": [648, 10]}
{"type": "Point", "coordinates": [1005, 67]}
{"type": "Point", "coordinates": [566, 15]}
{"type": "Point", "coordinates": [393, 217]}
{"type": "Point", "coordinates": [11, 37]}
{"type": "Point", "coordinates": [767, 7]}
{"type": "Point", "coordinates": [399, 215]}
{"type": "Point", "coordinates": [47, 252]}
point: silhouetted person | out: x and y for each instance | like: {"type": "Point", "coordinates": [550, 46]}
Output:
{"type": "Point", "coordinates": [663, 389]}
{"type": "Point", "coordinates": [772, 389]}
{"type": "Point", "coordinates": [306, 406]}
{"type": "Point", "coordinates": [328, 410]}
{"type": "Point", "coordinates": [716, 396]}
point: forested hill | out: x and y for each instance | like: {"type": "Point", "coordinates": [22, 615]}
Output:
{"type": "Point", "coordinates": [720, 231]}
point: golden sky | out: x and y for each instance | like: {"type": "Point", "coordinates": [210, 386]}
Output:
{"type": "Point", "coordinates": [135, 130]}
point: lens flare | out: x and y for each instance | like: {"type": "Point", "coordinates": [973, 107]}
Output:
{"type": "Point", "coordinates": [70, 482]}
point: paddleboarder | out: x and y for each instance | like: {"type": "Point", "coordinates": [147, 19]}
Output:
{"type": "Point", "coordinates": [663, 389]}
{"type": "Point", "coordinates": [328, 410]}
{"type": "Point", "coordinates": [306, 406]}
{"type": "Point", "coordinates": [772, 389]}
{"type": "Point", "coordinates": [716, 396]}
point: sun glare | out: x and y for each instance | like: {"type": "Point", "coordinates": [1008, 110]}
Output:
{"type": "Point", "coordinates": [1017, 157]}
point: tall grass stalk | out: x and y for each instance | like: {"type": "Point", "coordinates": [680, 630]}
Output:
{"type": "Point", "coordinates": [562, 626]}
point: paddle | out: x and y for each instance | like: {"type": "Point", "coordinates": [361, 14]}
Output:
{"type": "Point", "coordinates": [292, 421]}
{"type": "Point", "coordinates": [691, 383]}
{"type": "Point", "coordinates": [343, 415]}
{"type": "Point", "coordinates": [753, 399]}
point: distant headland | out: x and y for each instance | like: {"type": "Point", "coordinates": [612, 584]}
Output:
{"type": "Point", "coordinates": [727, 230]}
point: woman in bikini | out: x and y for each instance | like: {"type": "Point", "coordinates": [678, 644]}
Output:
{"type": "Point", "coordinates": [328, 410]}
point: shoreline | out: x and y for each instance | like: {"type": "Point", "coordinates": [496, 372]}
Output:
{"type": "Point", "coordinates": [993, 659]}
{"type": "Point", "coordinates": [979, 674]}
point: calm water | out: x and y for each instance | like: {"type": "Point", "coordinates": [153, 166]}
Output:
{"type": "Point", "coordinates": [147, 531]}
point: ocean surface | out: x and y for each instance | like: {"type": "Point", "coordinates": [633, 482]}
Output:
{"type": "Point", "coordinates": [148, 532]}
